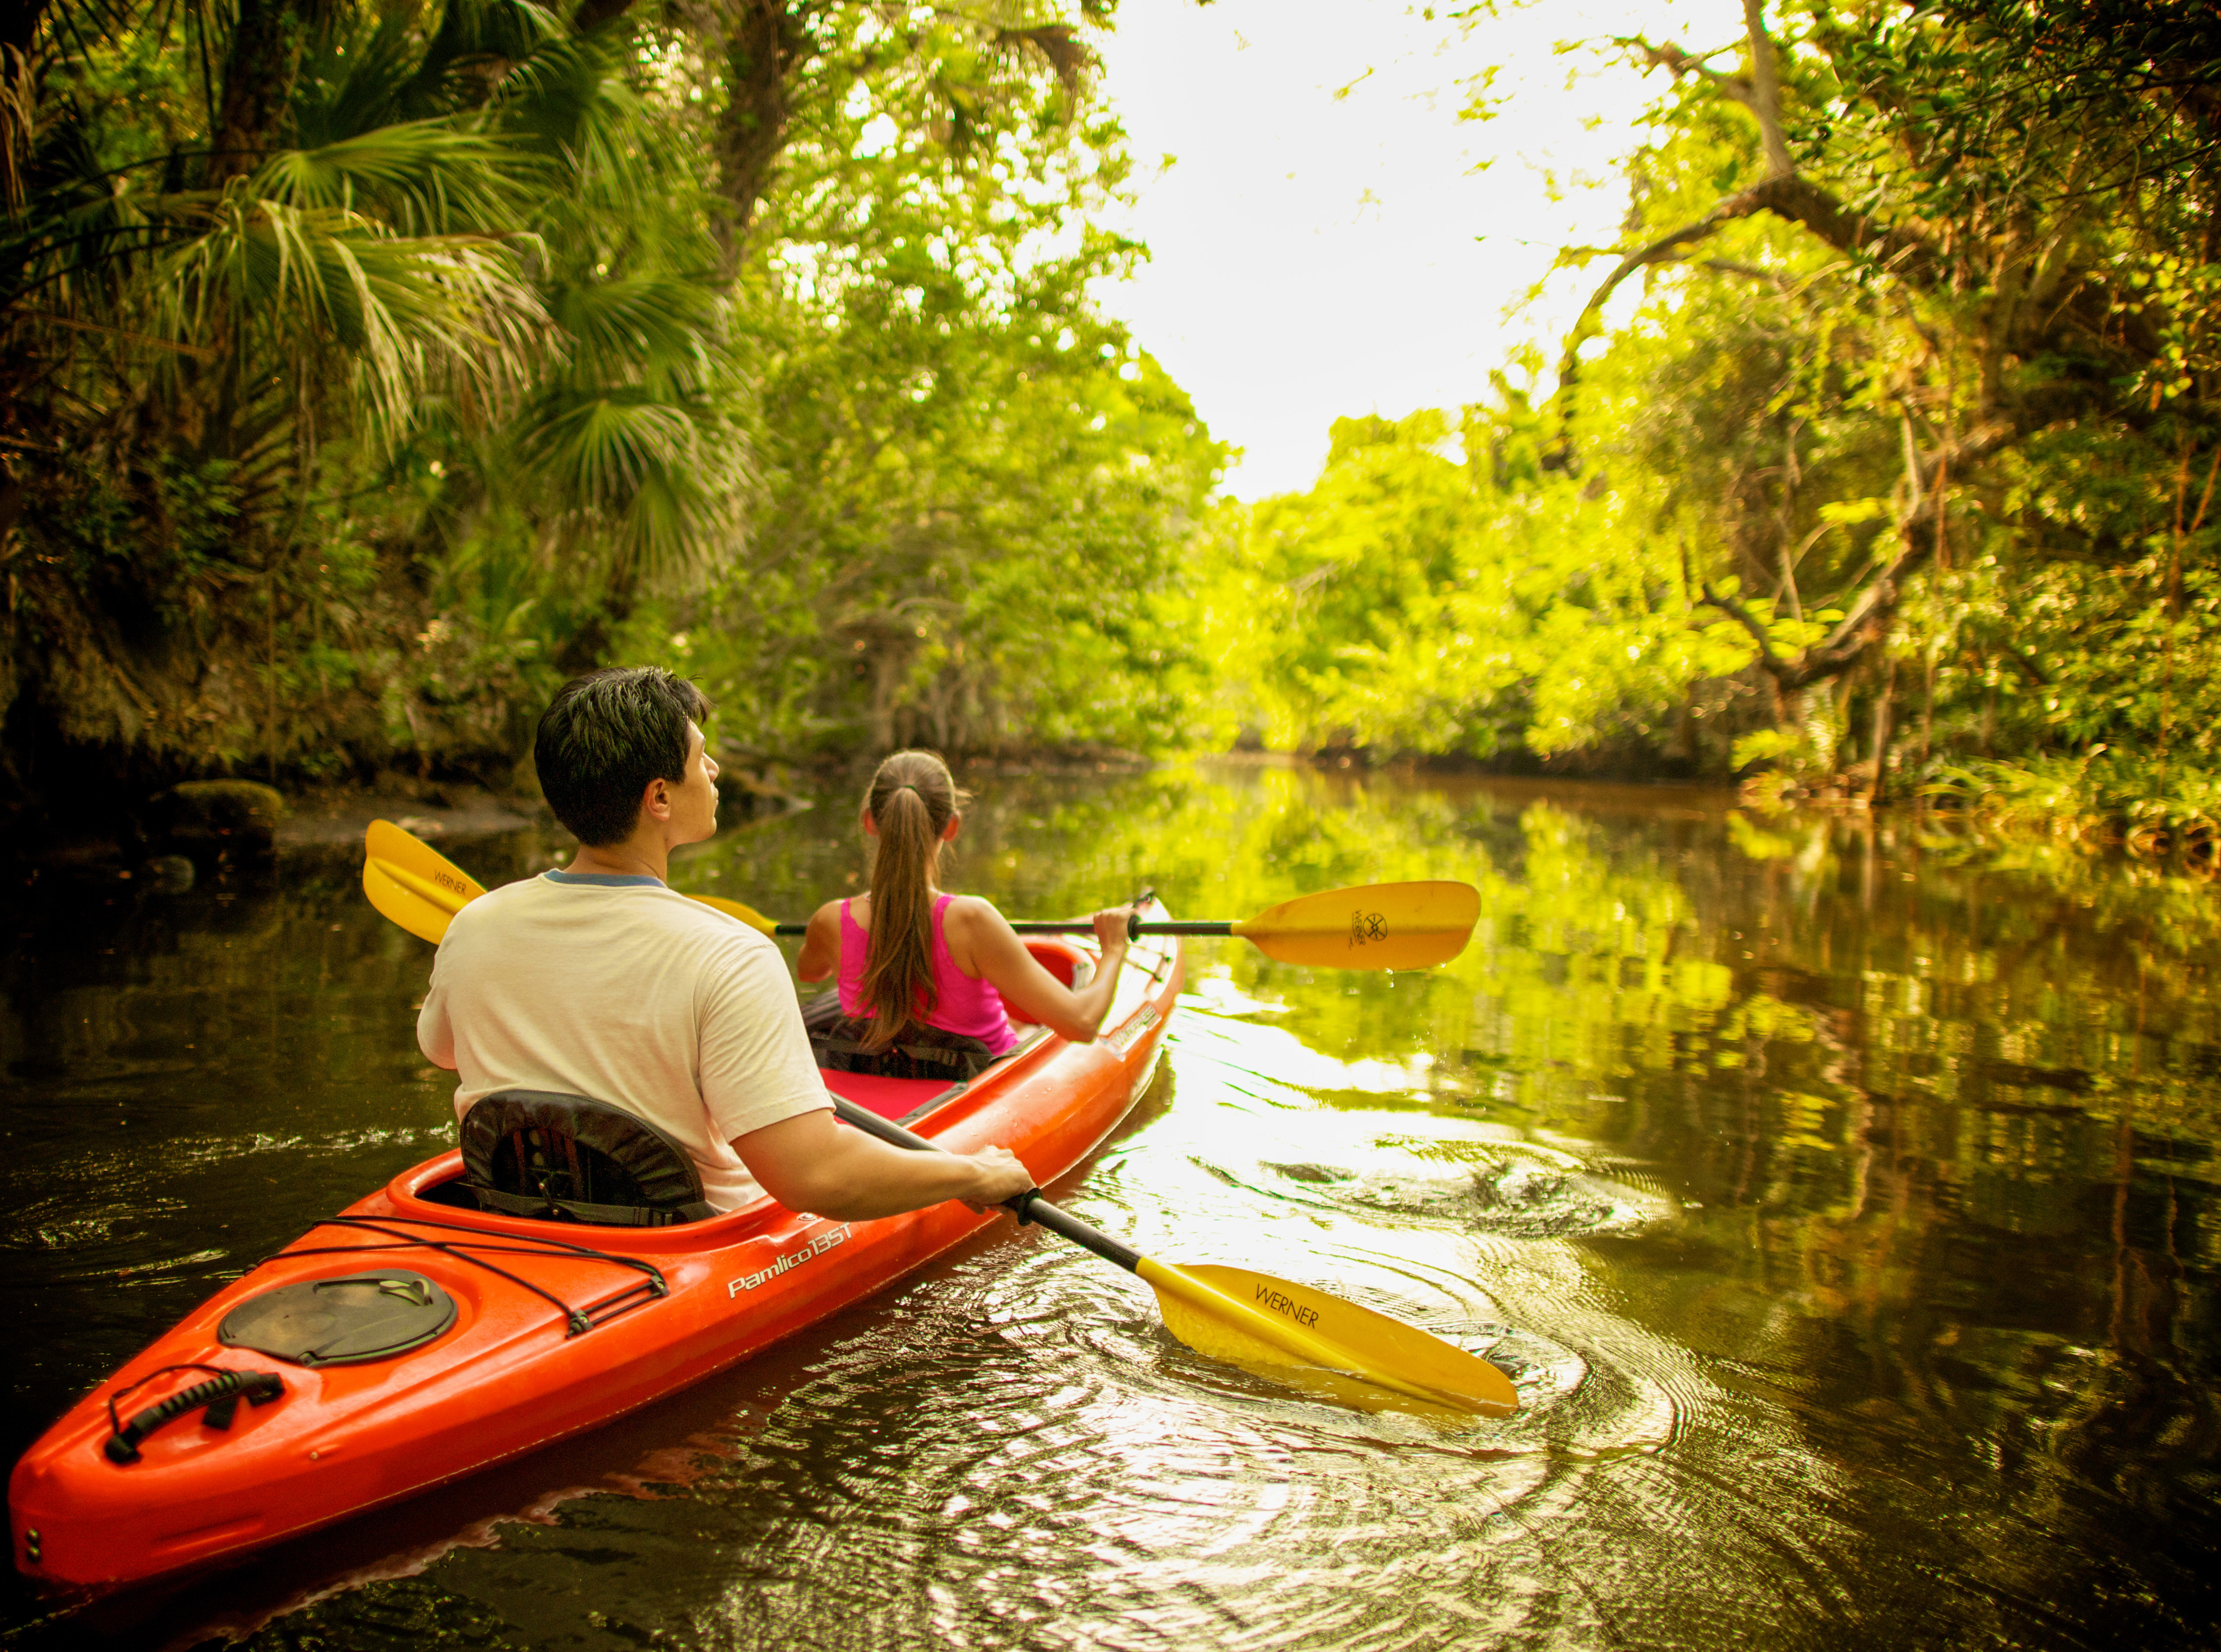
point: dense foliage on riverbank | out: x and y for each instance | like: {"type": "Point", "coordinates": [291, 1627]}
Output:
{"type": "Point", "coordinates": [368, 368]}
{"type": "Point", "coordinates": [1902, 473]}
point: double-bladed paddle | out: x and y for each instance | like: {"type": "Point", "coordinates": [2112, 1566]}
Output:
{"type": "Point", "coordinates": [1296, 1333]}
{"type": "Point", "coordinates": [1374, 926]}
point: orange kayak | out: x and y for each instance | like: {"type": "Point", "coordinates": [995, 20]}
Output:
{"type": "Point", "coordinates": [197, 1451]}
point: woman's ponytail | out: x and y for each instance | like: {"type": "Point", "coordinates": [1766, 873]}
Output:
{"type": "Point", "coordinates": [912, 800]}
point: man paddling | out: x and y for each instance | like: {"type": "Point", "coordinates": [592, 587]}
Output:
{"type": "Point", "coordinates": [599, 980]}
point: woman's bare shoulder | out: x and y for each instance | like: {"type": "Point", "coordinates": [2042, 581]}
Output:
{"type": "Point", "coordinates": [970, 920]}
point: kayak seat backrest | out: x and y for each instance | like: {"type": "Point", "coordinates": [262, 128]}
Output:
{"type": "Point", "coordinates": [837, 1042]}
{"type": "Point", "coordinates": [570, 1158]}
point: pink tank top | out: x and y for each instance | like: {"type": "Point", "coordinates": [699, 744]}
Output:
{"type": "Point", "coordinates": [972, 1008]}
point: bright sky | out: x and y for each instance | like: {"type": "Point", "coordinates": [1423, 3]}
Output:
{"type": "Point", "coordinates": [1315, 255]}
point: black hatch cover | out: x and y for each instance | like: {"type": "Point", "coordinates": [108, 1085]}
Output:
{"type": "Point", "coordinates": [349, 1321]}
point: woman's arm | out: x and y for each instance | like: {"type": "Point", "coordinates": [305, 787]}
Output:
{"type": "Point", "coordinates": [821, 944]}
{"type": "Point", "coordinates": [988, 949]}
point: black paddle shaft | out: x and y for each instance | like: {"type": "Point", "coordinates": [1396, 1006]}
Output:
{"type": "Point", "coordinates": [1135, 928]}
{"type": "Point", "coordinates": [1026, 1206]}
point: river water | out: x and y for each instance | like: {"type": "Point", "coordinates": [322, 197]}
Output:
{"type": "Point", "coordinates": [1841, 1198]}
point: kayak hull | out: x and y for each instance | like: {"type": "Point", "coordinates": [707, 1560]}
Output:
{"type": "Point", "coordinates": [660, 1308]}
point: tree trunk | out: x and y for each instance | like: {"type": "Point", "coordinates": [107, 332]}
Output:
{"type": "Point", "coordinates": [1766, 91]}
{"type": "Point", "coordinates": [258, 78]}
{"type": "Point", "coordinates": [769, 39]}
{"type": "Point", "coordinates": [592, 13]}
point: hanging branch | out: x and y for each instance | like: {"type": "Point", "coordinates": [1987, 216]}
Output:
{"type": "Point", "coordinates": [1899, 251]}
{"type": "Point", "coordinates": [1866, 619]}
{"type": "Point", "coordinates": [1902, 252]}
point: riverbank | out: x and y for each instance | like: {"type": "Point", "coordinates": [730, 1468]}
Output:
{"type": "Point", "coordinates": [204, 828]}
{"type": "Point", "coordinates": [207, 828]}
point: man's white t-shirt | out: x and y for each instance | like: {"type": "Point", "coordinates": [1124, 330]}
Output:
{"type": "Point", "coordinates": [619, 989]}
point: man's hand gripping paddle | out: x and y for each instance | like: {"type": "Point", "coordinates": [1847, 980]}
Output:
{"type": "Point", "coordinates": [1293, 1333]}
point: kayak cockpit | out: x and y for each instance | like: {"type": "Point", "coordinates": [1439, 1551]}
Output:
{"type": "Point", "coordinates": [443, 1189]}
{"type": "Point", "coordinates": [906, 1100]}
{"type": "Point", "coordinates": [938, 1063]}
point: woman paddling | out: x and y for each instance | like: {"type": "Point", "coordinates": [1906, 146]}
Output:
{"type": "Point", "coordinates": [910, 956]}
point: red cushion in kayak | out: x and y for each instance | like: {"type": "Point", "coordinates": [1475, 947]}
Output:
{"type": "Point", "coordinates": [889, 1098]}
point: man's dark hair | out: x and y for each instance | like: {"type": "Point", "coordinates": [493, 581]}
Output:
{"type": "Point", "coordinates": [603, 737]}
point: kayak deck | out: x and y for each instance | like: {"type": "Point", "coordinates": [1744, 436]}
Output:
{"type": "Point", "coordinates": [557, 1327]}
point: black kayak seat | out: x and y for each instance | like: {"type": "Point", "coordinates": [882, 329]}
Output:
{"type": "Point", "coordinates": [840, 1044]}
{"type": "Point", "coordinates": [539, 1153]}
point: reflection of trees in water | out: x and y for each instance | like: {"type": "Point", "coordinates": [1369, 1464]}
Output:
{"type": "Point", "coordinates": [2021, 1056]}
{"type": "Point", "coordinates": [1962, 1122]}
{"type": "Point", "coordinates": [1941, 1119]}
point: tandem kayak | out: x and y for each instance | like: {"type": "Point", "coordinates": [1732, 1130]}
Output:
{"type": "Point", "coordinates": [510, 1332]}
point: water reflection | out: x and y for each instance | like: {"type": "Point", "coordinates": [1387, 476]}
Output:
{"type": "Point", "coordinates": [1840, 1199]}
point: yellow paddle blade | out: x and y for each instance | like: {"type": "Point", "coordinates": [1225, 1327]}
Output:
{"type": "Point", "coordinates": [418, 866]}
{"type": "Point", "coordinates": [1382, 926]}
{"type": "Point", "coordinates": [1279, 1329]}
{"type": "Point", "coordinates": [419, 888]}
{"type": "Point", "coordinates": [425, 919]}
{"type": "Point", "coordinates": [748, 915]}
{"type": "Point", "coordinates": [412, 883]}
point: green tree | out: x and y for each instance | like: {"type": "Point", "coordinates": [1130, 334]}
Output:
{"type": "Point", "coordinates": [367, 370]}
{"type": "Point", "coordinates": [1991, 371]}
{"type": "Point", "coordinates": [976, 489]}
{"type": "Point", "coordinates": [1903, 470]}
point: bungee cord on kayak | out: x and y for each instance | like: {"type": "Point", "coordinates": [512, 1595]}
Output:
{"type": "Point", "coordinates": [576, 1320]}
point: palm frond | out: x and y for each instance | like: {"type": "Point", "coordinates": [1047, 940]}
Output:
{"type": "Point", "coordinates": [19, 118]}
{"type": "Point", "coordinates": [355, 85]}
{"type": "Point", "coordinates": [600, 446]}
{"type": "Point", "coordinates": [406, 314]}
{"type": "Point", "coordinates": [421, 178]}
{"type": "Point", "coordinates": [629, 330]}
{"type": "Point", "coordinates": [653, 474]}
{"type": "Point", "coordinates": [78, 221]}
{"type": "Point", "coordinates": [570, 100]}
{"type": "Point", "coordinates": [676, 531]}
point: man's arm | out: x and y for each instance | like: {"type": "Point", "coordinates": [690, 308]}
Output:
{"type": "Point", "coordinates": [768, 1099]}
{"type": "Point", "coordinates": [814, 1162]}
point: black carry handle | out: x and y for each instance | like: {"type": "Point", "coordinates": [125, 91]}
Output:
{"type": "Point", "coordinates": [1029, 1206]}
{"type": "Point", "coordinates": [221, 1394]}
